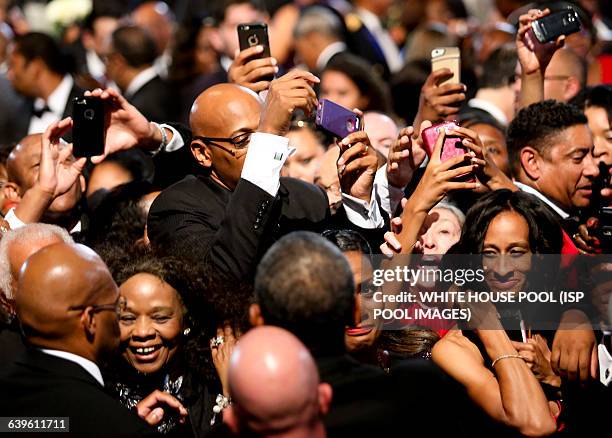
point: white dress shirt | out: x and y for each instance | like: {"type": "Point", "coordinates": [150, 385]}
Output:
{"type": "Point", "coordinates": [382, 37]}
{"type": "Point", "coordinates": [57, 102]}
{"type": "Point", "coordinates": [140, 80]}
{"type": "Point", "coordinates": [537, 194]}
{"type": "Point", "coordinates": [89, 366]}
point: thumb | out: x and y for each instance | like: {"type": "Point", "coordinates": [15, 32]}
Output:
{"type": "Point", "coordinates": [155, 416]}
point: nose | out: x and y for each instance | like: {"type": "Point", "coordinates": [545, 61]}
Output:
{"type": "Point", "coordinates": [429, 243]}
{"type": "Point", "coordinates": [600, 151]}
{"type": "Point", "coordinates": [503, 267]}
{"type": "Point", "coordinates": [142, 329]}
{"type": "Point", "coordinates": [591, 170]}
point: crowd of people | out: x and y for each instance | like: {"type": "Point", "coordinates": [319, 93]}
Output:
{"type": "Point", "coordinates": [210, 273]}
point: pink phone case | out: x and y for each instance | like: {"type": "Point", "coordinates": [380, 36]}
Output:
{"type": "Point", "coordinates": [451, 148]}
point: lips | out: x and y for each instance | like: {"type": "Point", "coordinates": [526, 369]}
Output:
{"type": "Point", "coordinates": [359, 331]}
{"type": "Point", "coordinates": [504, 285]}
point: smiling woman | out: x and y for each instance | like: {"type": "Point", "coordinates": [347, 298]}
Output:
{"type": "Point", "coordinates": [165, 327]}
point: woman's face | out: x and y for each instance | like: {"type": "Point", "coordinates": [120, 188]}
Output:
{"type": "Point", "coordinates": [602, 133]}
{"type": "Point", "coordinates": [152, 323]}
{"type": "Point", "coordinates": [506, 252]}
{"type": "Point", "coordinates": [494, 143]}
{"type": "Point", "coordinates": [305, 162]}
{"type": "Point", "coordinates": [339, 88]}
{"type": "Point", "coordinates": [365, 333]}
{"type": "Point", "coordinates": [439, 232]}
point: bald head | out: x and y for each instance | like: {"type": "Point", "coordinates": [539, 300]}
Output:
{"type": "Point", "coordinates": [565, 75]}
{"type": "Point", "coordinates": [157, 19]}
{"type": "Point", "coordinates": [56, 287]}
{"type": "Point", "coordinates": [274, 384]}
{"type": "Point", "coordinates": [23, 156]}
{"type": "Point", "coordinates": [215, 108]}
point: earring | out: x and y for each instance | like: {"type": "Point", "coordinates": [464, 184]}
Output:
{"type": "Point", "coordinates": [186, 331]}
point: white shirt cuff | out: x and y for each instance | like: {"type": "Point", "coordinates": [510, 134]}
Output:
{"type": "Point", "coordinates": [264, 160]}
{"type": "Point", "coordinates": [362, 214]}
{"type": "Point", "coordinates": [13, 220]}
{"type": "Point", "coordinates": [177, 141]}
{"type": "Point", "coordinates": [388, 196]}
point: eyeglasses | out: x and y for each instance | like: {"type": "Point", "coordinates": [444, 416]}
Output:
{"type": "Point", "coordinates": [118, 306]}
{"type": "Point", "coordinates": [240, 142]}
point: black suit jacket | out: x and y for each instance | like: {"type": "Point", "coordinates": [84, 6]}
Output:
{"type": "Point", "coordinates": [155, 101]}
{"type": "Point", "coordinates": [21, 127]}
{"type": "Point", "coordinates": [197, 217]}
{"type": "Point", "coordinates": [40, 385]}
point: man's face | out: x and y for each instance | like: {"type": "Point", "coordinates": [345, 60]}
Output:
{"type": "Point", "coordinates": [381, 130]}
{"type": "Point", "coordinates": [21, 73]}
{"type": "Point", "coordinates": [103, 28]}
{"type": "Point", "coordinates": [306, 52]}
{"type": "Point", "coordinates": [567, 168]}
{"type": "Point", "coordinates": [228, 29]}
{"type": "Point", "coordinates": [109, 334]}
{"type": "Point", "coordinates": [235, 119]}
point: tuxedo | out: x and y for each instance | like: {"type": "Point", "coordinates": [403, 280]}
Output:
{"type": "Point", "coordinates": [154, 100]}
{"type": "Point", "coordinates": [22, 123]}
{"type": "Point", "coordinates": [37, 384]}
{"type": "Point", "coordinates": [198, 218]}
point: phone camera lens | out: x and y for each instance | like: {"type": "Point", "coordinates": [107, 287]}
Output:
{"type": "Point", "coordinates": [253, 40]}
{"type": "Point", "coordinates": [350, 125]}
{"type": "Point", "coordinates": [89, 114]}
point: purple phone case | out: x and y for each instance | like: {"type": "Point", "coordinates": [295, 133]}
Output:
{"type": "Point", "coordinates": [337, 119]}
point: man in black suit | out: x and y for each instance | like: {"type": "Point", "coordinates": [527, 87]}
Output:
{"type": "Point", "coordinates": [39, 71]}
{"type": "Point", "coordinates": [305, 285]}
{"type": "Point", "coordinates": [130, 64]}
{"type": "Point", "coordinates": [239, 205]}
{"type": "Point", "coordinates": [67, 304]}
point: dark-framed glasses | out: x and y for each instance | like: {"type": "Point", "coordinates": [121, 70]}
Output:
{"type": "Point", "coordinates": [239, 142]}
{"type": "Point", "coordinates": [118, 306]}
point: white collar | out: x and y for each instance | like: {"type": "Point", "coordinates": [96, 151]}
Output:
{"type": "Point", "coordinates": [58, 99]}
{"type": "Point", "coordinates": [140, 80]}
{"type": "Point", "coordinates": [536, 193]}
{"type": "Point", "coordinates": [226, 62]}
{"type": "Point", "coordinates": [95, 65]}
{"type": "Point", "coordinates": [490, 108]}
{"type": "Point", "coordinates": [89, 366]}
{"type": "Point", "coordinates": [370, 20]}
{"type": "Point", "coordinates": [327, 53]}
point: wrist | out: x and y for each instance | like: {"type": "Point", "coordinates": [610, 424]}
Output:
{"type": "Point", "coordinates": [39, 192]}
{"type": "Point", "coordinates": [496, 343]}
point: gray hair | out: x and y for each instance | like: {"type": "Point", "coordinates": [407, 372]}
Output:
{"type": "Point", "coordinates": [318, 19]}
{"type": "Point", "coordinates": [25, 235]}
{"type": "Point", "coordinates": [446, 204]}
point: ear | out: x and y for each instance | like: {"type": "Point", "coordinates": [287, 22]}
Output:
{"type": "Point", "coordinates": [357, 311]}
{"type": "Point", "coordinates": [230, 420]}
{"type": "Point", "coordinates": [201, 153]}
{"type": "Point", "coordinates": [255, 317]}
{"type": "Point", "coordinates": [530, 162]}
{"type": "Point", "coordinates": [325, 397]}
{"type": "Point", "coordinates": [572, 87]}
{"type": "Point", "coordinates": [88, 322]}
{"type": "Point", "coordinates": [12, 192]}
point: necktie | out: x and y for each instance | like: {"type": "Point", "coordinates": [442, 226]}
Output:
{"type": "Point", "coordinates": [39, 112]}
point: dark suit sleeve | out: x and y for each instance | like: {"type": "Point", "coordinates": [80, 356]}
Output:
{"type": "Point", "coordinates": [187, 224]}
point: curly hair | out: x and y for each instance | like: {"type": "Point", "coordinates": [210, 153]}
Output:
{"type": "Point", "coordinates": [599, 96]}
{"type": "Point", "coordinates": [539, 123]}
{"type": "Point", "coordinates": [191, 284]}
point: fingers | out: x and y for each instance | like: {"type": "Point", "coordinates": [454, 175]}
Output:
{"type": "Point", "coordinates": [260, 72]}
{"type": "Point", "coordinates": [357, 150]}
{"type": "Point", "coordinates": [243, 55]}
{"type": "Point", "coordinates": [300, 74]}
{"type": "Point", "coordinates": [438, 76]}
{"type": "Point", "coordinates": [392, 241]}
{"type": "Point", "coordinates": [594, 362]}
{"type": "Point", "coordinates": [584, 364]}
{"type": "Point", "coordinates": [360, 163]}
{"type": "Point", "coordinates": [155, 416]}
{"type": "Point", "coordinates": [435, 156]}
{"type": "Point", "coordinates": [354, 138]}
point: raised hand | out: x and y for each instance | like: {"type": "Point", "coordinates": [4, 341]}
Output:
{"type": "Point", "coordinates": [221, 354]}
{"type": "Point", "coordinates": [58, 170]}
{"type": "Point", "coordinates": [151, 408]}
{"type": "Point", "coordinates": [286, 94]}
{"type": "Point", "coordinates": [126, 127]}
{"type": "Point", "coordinates": [405, 156]}
{"type": "Point", "coordinates": [251, 73]}
{"type": "Point", "coordinates": [357, 165]}
{"type": "Point", "coordinates": [439, 101]}
{"type": "Point", "coordinates": [534, 56]}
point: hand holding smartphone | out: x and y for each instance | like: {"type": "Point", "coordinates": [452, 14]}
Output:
{"type": "Point", "coordinates": [450, 58]}
{"type": "Point", "coordinates": [336, 119]}
{"type": "Point", "coordinates": [451, 148]}
{"type": "Point", "coordinates": [88, 131]}
{"type": "Point", "coordinates": [255, 34]}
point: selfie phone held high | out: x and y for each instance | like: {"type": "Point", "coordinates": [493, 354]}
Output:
{"type": "Point", "coordinates": [336, 119]}
{"type": "Point", "coordinates": [254, 34]}
{"type": "Point", "coordinates": [88, 131]}
{"type": "Point", "coordinates": [551, 27]}
{"type": "Point", "coordinates": [450, 58]}
{"type": "Point", "coordinates": [452, 146]}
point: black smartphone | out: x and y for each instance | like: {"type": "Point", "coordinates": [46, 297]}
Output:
{"type": "Point", "coordinates": [551, 27]}
{"type": "Point", "coordinates": [255, 34]}
{"type": "Point", "coordinates": [336, 119]}
{"type": "Point", "coordinates": [88, 126]}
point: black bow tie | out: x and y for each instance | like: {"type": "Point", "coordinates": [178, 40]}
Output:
{"type": "Point", "coordinates": [39, 112]}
